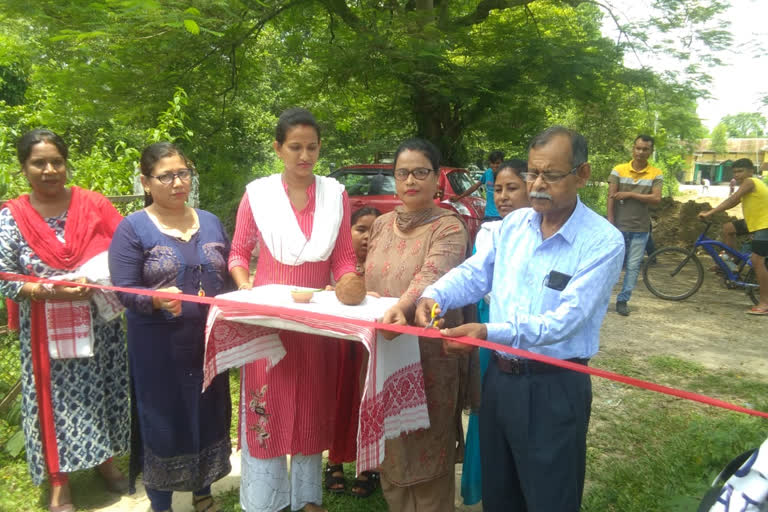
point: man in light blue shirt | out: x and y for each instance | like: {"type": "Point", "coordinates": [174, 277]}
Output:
{"type": "Point", "coordinates": [549, 270]}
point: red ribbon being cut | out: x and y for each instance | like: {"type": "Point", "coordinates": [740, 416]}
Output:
{"type": "Point", "coordinates": [276, 311]}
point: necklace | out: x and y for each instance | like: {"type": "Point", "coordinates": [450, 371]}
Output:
{"type": "Point", "coordinates": [184, 235]}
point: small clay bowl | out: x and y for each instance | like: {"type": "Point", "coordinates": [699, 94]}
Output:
{"type": "Point", "coordinates": [303, 296]}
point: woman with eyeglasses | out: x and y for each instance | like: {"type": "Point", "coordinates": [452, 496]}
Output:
{"type": "Point", "coordinates": [409, 249]}
{"type": "Point", "coordinates": [75, 407]}
{"type": "Point", "coordinates": [180, 437]}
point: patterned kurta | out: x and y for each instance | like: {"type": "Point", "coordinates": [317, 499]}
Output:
{"type": "Point", "coordinates": [290, 408]}
{"type": "Point", "coordinates": [90, 396]}
{"type": "Point", "coordinates": [184, 433]}
{"type": "Point", "coordinates": [398, 265]}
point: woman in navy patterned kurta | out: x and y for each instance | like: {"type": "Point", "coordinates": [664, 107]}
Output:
{"type": "Point", "coordinates": [183, 433]}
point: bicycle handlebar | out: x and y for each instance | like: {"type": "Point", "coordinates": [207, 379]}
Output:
{"type": "Point", "coordinates": [707, 225]}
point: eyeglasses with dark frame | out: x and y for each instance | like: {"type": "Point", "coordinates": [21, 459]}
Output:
{"type": "Point", "coordinates": [532, 175]}
{"type": "Point", "coordinates": [167, 178]}
{"type": "Point", "coordinates": [420, 173]}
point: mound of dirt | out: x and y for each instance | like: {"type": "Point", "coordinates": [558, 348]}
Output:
{"type": "Point", "coordinates": [677, 223]}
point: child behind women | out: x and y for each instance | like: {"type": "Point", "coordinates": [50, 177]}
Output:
{"type": "Point", "coordinates": [352, 359]}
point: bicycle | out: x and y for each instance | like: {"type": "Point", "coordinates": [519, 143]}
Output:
{"type": "Point", "coordinates": [673, 273]}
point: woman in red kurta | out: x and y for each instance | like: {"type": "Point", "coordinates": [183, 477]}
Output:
{"type": "Point", "coordinates": [300, 223]}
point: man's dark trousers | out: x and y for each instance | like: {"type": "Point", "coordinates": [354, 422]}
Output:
{"type": "Point", "coordinates": [533, 430]}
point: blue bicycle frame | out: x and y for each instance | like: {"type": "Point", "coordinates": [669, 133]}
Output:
{"type": "Point", "coordinates": [712, 247]}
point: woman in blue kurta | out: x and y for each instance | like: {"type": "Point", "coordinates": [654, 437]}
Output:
{"type": "Point", "coordinates": [182, 441]}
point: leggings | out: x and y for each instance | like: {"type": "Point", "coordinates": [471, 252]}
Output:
{"type": "Point", "coordinates": [161, 500]}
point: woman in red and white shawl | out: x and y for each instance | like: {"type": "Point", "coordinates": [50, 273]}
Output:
{"type": "Point", "coordinates": [75, 411]}
{"type": "Point", "coordinates": [300, 223]}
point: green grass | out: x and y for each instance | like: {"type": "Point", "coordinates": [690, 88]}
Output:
{"type": "Point", "coordinates": [654, 452]}
{"type": "Point", "coordinates": [646, 451]}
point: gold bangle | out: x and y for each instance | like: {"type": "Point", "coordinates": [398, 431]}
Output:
{"type": "Point", "coordinates": [35, 294]}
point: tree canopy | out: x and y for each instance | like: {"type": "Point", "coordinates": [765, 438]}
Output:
{"type": "Point", "coordinates": [470, 75]}
{"type": "Point", "coordinates": [745, 124]}
{"type": "Point", "coordinates": [719, 143]}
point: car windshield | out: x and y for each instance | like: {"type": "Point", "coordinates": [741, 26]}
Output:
{"type": "Point", "coordinates": [461, 181]}
{"type": "Point", "coordinates": [367, 183]}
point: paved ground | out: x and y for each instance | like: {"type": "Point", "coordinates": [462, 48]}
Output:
{"type": "Point", "coordinates": [182, 501]}
{"type": "Point", "coordinates": [721, 191]}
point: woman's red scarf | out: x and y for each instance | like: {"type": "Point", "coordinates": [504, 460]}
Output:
{"type": "Point", "coordinates": [91, 221]}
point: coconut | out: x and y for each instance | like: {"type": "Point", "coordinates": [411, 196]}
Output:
{"type": "Point", "coordinates": [350, 289]}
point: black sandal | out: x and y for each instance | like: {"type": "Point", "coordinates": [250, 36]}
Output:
{"type": "Point", "coordinates": [332, 482]}
{"type": "Point", "coordinates": [368, 486]}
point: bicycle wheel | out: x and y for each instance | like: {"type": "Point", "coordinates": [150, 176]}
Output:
{"type": "Point", "coordinates": [754, 293]}
{"type": "Point", "coordinates": [673, 273]}
{"type": "Point", "coordinates": [751, 278]}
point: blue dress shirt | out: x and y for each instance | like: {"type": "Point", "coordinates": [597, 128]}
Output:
{"type": "Point", "coordinates": [527, 310]}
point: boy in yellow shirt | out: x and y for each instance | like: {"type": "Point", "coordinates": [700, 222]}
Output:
{"type": "Point", "coordinates": [753, 196]}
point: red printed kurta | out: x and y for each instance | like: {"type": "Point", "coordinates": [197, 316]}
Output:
{"type": "Point", "coordinates": [289, 409]}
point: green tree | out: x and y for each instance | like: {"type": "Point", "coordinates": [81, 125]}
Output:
{"type": "Point", "coordinates": [719, 142]}
{"type": "Point", "coordinates": [439, 69]}
{"type": "Point", "coordinates": [471, 75]}
{"type": "Point", "coordinates": [745, 124]}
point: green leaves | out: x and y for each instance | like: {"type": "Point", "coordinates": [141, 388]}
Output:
{"type": "Point", "coordinates": [745, 124]}
{"type": "Point", "coordinates": [213, 76]}
{"type": "Point", "coordinates": [15, 444]}
{"type": "Point", "coordinates": [192, 27]}
{"type": "Point", "coordinates": [719, 142]}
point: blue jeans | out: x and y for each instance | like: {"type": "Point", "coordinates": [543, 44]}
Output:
{"type": "Point", "coordinates": [635, 247]}
{"type": "Point", "coordinates": [650, 247]}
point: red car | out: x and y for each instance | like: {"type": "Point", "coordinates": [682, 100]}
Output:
{"type": "Point", "coordinates": [374, 185]}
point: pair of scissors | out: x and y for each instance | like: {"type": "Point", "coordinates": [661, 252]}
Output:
{"type": "Point", "coordinates": [433, 314]}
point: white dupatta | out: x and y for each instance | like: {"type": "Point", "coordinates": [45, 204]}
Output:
{"type": "Point", "coordinates": [279, 228]}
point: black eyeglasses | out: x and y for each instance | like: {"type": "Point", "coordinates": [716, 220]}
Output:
{"type": "Point", "coordinates": [548, 176]}
{"type": "Point", "coordinates": [167, 178]}
{"type": "Point", "coordinates": [419, 173]}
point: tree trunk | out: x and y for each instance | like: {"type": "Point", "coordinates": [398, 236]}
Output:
{"type": "Point", "coordinates": [441, 123]}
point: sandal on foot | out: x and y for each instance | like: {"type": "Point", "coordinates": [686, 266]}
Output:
{"type": "Point", "coordinates": [204, 504]}
{"type": "Point", "coordinates": [335, 484]}
{"type": "Point", "coordinates": [758, 310]}
{"type": "Point", "coordinates": [366, 487]}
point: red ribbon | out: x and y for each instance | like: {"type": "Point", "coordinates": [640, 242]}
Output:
{"type": "Point", "coordinates": [264, 310]}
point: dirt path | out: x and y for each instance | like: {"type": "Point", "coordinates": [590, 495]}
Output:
{"type": "Point", "coordinates": [710, 328]}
